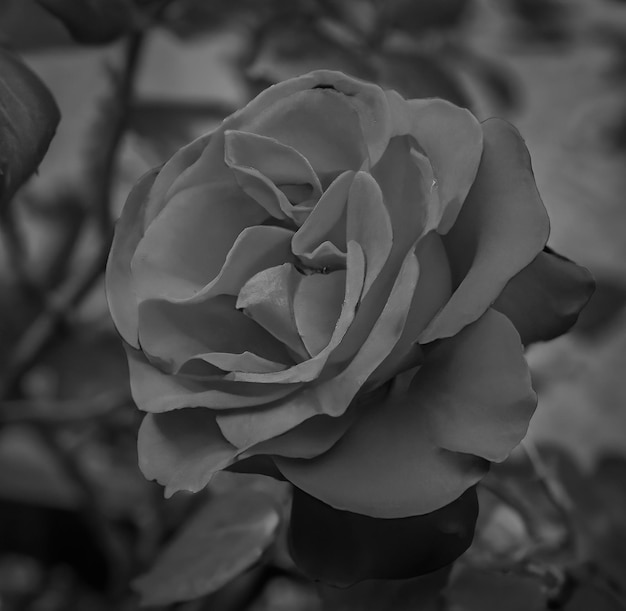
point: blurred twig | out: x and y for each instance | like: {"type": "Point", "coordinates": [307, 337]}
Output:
{"type": "Point", "coordinates": [42, 332]}
{"type": "Point", "coordinates": [62, 411]}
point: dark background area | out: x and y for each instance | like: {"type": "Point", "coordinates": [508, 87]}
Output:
{"type": "Point", "coordinates": [77, 520]}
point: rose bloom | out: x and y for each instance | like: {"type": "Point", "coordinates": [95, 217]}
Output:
{"type": "Point", "coordinates": [335, 287]}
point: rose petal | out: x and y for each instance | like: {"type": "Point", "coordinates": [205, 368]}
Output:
{"type": "Point", "coordinates": [368, 224]}
{"type": "Point", "coordinates": [182, 449]}
{"type": "Point", "coordinates": [267, 298]}
{"type": "Point", "coordinates": [451, 139]}
{"type": "Point", "coordinates": [246, 361]}
{"type": "Point", "coordinates": [326, 223]}
{"type": "Point", "coordinates": [247, 428]}
{"type": "Point", "coordinates": [317, 304]}
{"type": "Point", "coordinates": [155, 391]}
{"type": "Point", "coordinates": [172, 173]}
{"type": "Point", "coordinates": [120, 291]}
{"type": "Point", "coordinates": [343, 548]}
{"type": "Point", "coordinates": [544, 300]}
{"type": "Point", "coordinates": [310, 369]}
{"type": "Point", "coordinates": [321, 124]}
{"type": "Point", "coordinates": [255, 249]}
{"type": "Point", "coordinates": [474, 389]}
{"type": "Point", "coordinates": [336, 393]}
{"type": "Point", "coordinates": [281, 164]}
{"type": "Point", "coordinates": [501, 228]}
{"type": "Point", "coordinates": [367, 99]}
{"type": "Point", "coordinates": [311, 438]}
{"type": "Point", "coordinates": [433, 290]}
{"type": "Point", "coordinates": [174, 333]}
{"type": "Point", "coordinates": [185, 246]}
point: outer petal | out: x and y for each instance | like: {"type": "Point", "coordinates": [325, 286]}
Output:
{"type": "Point", "coordinates": [367, 99]}
{"type": "Point", "coordinates": [182, 449]}
{"type": "Point", "coordinates": [544, 300]}
{"type": "Point", "coordinates": [129, 230]}
{"type": "Point", "coordinates": [451, 139]}
{"type": "Point", "coordinates": [342, 548]}
{"type": "Point", "coordinates": [155, 391]}
{"type": "Point", "coordinates": [173, 333]}
{"type": "Point", "coordinates": [474, 390]}
{"type": "Point", "coordinates": [186, 245]}
{"type": "Point", "coordinates": [321, 124]}
{"type": "Point", "coordinates": [500, 230]}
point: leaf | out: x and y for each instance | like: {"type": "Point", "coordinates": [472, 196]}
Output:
{"type": "Point", "coordinates": [222, 540]}
{"type": "Point", "coordinates": [94, 21]}
{"type": "Point", "coordinates": [28, 120]}
{"type": "Point", "coordinates": [343, 548]}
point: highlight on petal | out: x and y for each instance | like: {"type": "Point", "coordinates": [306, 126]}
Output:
{"type": "Point", "coordinates": [186, 245]}
{"type": "Point", "coordinates": [452, 140]}
{"type": "Point", "coordinates": [120, 292]}
{"type": "Point", "coordinates": [343, 548]}
{"type": "Point", "coordinates": [182, 449]}
{"type": "Point", "coordinates": [156, 391]}
{"type": "Point", "coordinates": [544, 300]}
{"type": "Point", "coordinates": [501, 228]}
{"type": "Point", "coordinates": [475, 391]}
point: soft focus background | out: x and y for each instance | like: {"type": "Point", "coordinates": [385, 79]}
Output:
{"type": "Point", "coordinates": [77, 520]}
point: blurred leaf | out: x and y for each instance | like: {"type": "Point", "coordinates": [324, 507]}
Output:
{"type": "Point", "coordinates": [290, 50]}
{"type": "Point", "coordinates": [28, 119]}
{"type": "Point", "coordinates": [222, 540]}
{"type": "Point", "coordinates": [416, 75]}
{"type": "Point", "coordinates": [168, 125]}
{"type": "Point", "coordinates": [478, 590]}
{"type": "Point", "coordinates": [586, 598]}
{"type": "Point", "coordinates": [94, 21]}
{"type": "Point", "coordinates": [415, 16]}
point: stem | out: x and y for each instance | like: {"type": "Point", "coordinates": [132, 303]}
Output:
{"type": "Point", "coordinates": [43, 330]}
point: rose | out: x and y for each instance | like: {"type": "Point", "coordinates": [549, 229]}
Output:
{"type": "Point", "coordinates": [329, 286]}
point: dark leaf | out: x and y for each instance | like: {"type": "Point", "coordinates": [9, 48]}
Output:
{"type": "Point", "coordinates": [342, 548]}
{"type": "Point", "coordinates": [544, 300]}
{"type": "Point", "coordinates": [28, 120]}
{"type": "Point", "coordinates": [94, 21]}
{"type": "Point", "coordinates": [222, 540]}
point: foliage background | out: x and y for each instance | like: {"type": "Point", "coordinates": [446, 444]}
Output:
{"type": "Point", "coordinates": [77, 521]}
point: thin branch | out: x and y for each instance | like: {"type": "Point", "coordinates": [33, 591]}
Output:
{"type": "Point", "coordinates": [43, 330]}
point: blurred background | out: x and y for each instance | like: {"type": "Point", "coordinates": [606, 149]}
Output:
{"type": "Point", "coordinates": [137, 79]}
